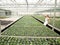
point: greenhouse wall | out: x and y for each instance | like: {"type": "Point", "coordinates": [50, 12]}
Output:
{"type": "Point", "coordinates": [5, 12]}
{"type": "Point", "coordinates": [2, 12]}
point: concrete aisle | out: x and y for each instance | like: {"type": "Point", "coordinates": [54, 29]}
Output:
{"type": "Point", "coordinates": [13, 19]}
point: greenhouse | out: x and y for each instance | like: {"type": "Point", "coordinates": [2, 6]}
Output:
{"type": "Point", "coordinates": [32, 20]}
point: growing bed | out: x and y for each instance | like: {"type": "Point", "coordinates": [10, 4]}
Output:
{"type": "Point", "coordinates": [29, 41]}
{"type": "Point", "coordinates": [56, 23]}
{"type": "Point", "coordinates": [28, 26]}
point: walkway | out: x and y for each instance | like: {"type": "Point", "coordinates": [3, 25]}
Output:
{"type": "Point", "coordinates": [13, 19]}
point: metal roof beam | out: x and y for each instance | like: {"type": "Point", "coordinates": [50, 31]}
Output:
{"type": "Point", "coordinates": [27, 4]}
{"type": "Point", "coordinates": [39, 1]}
{"type": "Point", "coordinates": [13, 1]}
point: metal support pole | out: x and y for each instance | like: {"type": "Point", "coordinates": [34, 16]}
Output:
{"type": "Point", "coordinates": [54, 14]}
{"type": "Point", "coordinates": [0, 27]}
{"type": "Point", "coordinates": [50, 11]}
{"type": "Point", "coordinates": [27, 5]}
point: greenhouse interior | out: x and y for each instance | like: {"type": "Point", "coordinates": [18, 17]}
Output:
{"type": "Point", "coordinates": [29, 22]}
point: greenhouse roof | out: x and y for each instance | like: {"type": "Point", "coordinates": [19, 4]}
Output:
{"type": "Point", "coordinates": [50, 10]}
{"type": "Point", "coordinates": [33, 2]}
{"type": "Point", "coordinates": [28, 5]}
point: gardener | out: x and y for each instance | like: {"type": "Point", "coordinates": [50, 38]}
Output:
{"type": "Point", "coordinates": [47, 19]}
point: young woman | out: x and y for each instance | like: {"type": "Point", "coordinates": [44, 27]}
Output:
{"type": "Point", "coordinates": [47, 19]}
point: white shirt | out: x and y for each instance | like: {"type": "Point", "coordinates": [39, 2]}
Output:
{"type": "Point", "coordinates": [46, 21]}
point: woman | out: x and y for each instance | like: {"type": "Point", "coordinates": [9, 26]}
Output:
{"type": "Point", "coordinates": [47, 18]}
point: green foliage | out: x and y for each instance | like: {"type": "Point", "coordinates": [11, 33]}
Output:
{"type": "Point", "coordinates": [29, 41]}
{"type": "Point", "coordinates": [28, 26]}
{"type": "Point", "coordinates": [56, 22]}
{"type": "Point", "coordinates": [3, 17]}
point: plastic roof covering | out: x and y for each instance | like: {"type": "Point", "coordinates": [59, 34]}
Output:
{"type": "Point", "coordinates": [27, 6]}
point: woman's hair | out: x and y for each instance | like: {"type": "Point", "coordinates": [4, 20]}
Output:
{"type": "Point", "coordinates": [47, 16]}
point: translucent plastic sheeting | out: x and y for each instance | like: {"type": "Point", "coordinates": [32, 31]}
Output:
{"type": "Point", "coordinates": [29, 1]}
{"type": "Point", "coordinates": [34, 7]}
